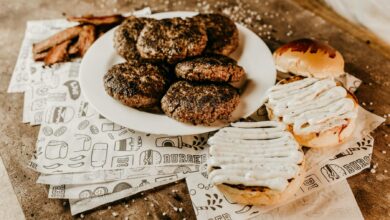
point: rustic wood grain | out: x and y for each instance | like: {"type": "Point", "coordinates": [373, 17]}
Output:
{"type": "Point", "coordinates": [276, 21]}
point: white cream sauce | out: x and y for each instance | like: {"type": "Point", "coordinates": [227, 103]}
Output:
{"type": "Point", "coordinates": [254, 154]}
{"type": "Point", "coordinates": [311, 105]}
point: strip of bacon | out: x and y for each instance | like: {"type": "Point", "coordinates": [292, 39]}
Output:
{"type": "Point", "coordinates": [57, 53]}
{"type": "Point", "coordinates": [40, 56]}
{"type": "Point", "coordinates": [86, 38]}
{"type": "Point", "coordinates": [56, 39]}
{"type": "Point", "coordinates": [98, 20]}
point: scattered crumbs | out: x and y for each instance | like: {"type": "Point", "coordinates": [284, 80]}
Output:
{"type": "Point", "coordinates": [388, 145]}
{"type": "Point", "coordinates": [180, 209]}
{"type": "Point", "coordinates": [184, 219]}
{"type": "Point", "coordinates": [375, 166]}
{"type": "Point", "coordinates": [371, 103]}
{"type": "Point", "coordinates": [164, 214]}
{"type": "Point", "coordinates": [385, 171]}
{"type": "Point", "coordinates": [383, 152]}
{"type": "Point", "coordinates": [109, 207]}
{"type": "Point", "coordinates": [363, 103]}
{"type": "Point", "coordinates": [127, 206]}
{"type": "Point", "coordinates": [142, 194]}
{"type": "Point", "coordinates": [64, 203]}
{"type": "Point", "coordinates": [81, 215]}
{"type": "Point", "coordinates": [370, 83]}
{"type": "Point", "coordinates": [385, 116]}
{"type": "Point", "coordinates": [386, 135]}
{"type": "Point", "coordinates": [175, 208]}
{"type": "Point", "coordinates": [145, 198]}
{"type": "Point", "coordinates": [115, 214]}
{"type": "Point", "coordinates": [132, 200]}
{"type": "Point", "coordinates": [152, 205]}
{"type": "Point", "coordinates": [147, 213]}
{"type": "Point", "coordinates": [367, 67]}
{"type": "Point", "coordinates": [373, 171]}
{"type": "Point", "coordinates": [126, 218]}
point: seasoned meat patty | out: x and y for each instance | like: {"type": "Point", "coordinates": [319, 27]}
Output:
{"type": "Point", "coordinates": [210, 67]}
{"type": "Point", "coordinates": [222, 33]}
{"type": "Point", "coordinates": [126, 35]}
{"type": "Point", "coordinates": [137, 84]}
{"type": "Point", "coordinates": [172, 39]}
{"type": "Point", "coordinates": [199, 103]}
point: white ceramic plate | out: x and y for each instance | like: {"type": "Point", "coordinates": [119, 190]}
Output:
{"type": "Point", "coordinates": [252, 54]}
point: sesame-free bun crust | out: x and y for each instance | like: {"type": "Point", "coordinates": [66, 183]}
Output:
{"type": "Point", "coordinates": [263, 196]}
{"type": "Point", "coordinates": [327, 138]}
{"type": "Point", "coordinates": [310, 58]}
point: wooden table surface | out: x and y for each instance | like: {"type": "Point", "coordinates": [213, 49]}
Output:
{"type": "Point", "coordinates": [276, 21]}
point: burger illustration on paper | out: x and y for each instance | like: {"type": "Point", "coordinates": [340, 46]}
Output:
{"type": "Point", "coordinates": [56, 150]}
{"type": "Point", "coordinates": [60, 114]}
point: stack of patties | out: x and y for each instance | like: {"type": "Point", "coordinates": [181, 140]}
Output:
{"type": "Point", "coordinates": [318, 110]}
{"type": "Point", "coordinates": [195, 49]}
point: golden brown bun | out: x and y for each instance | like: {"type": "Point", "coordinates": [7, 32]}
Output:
{"type": "Point", "coordinates": [310, 58]}
{"type": "Point", "coordinates": [266, 196]}
{"type": "Point", "coordinates": [328, 138]}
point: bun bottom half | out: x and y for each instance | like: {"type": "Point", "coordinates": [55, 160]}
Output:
{"type": "Point", "coordinates": [265, 196]}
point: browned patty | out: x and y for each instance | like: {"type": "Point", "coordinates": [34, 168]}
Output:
{"type": "Point", "coordinates": [137, 84]}
{"type": "Point", "coordinates": [171, 39]}
{"type": "Point", "coordinates": [222, 33]}
{"type": "Point", "coordinates": [210, 67]}
{"type": "Point", "coordinates": [199, 103]}
{"type": "Point", "coordinates": [126, 35]}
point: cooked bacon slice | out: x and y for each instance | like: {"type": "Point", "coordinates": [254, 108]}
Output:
{"type": "Point", "coordinates": [56, 39]}
{"type": "Point", "coordinates": [40, 56]}
{"type": "Point", "coordinates": [74, 48]}
{"type": "Point", "coordinates": [57, 53]}
{"type": "Point", "coordinates": [86, 38]}
{"type": "Point", "coordinates": [98, 20]}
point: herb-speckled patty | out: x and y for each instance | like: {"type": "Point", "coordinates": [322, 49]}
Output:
{"type": "Point", "coordinates": [137, 84]}
{"type": "Point", "coordinates": [171, 39]}
{"type": "Point", "coordinates": [199, 103]}
{"type": "Point", "coordinates": [210, 67]}
{"type": "Point", "coordinates": [222, 33]}
{"type": "Point", "coordinates": [126, 35]}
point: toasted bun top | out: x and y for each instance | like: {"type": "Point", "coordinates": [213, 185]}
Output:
{"type": "Point", "coordinates": [310, 58]}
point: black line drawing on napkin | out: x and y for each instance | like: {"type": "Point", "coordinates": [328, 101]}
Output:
{"type": "Point", "coordinates": [197, 144]}
{"type": "Point", "coordinates": [166, 178]}
{"type": "Point", "coordinates": [85, 194]}
{"type": "Point", "coordinates": [122, 161]}
{"type": "Point", "coordinates": [59, 114]}
{"type": "Point", "coordinates": [364, 144]}
{"type": "Point", "coordinates": [82, 142]}
{"type": "Point", "coordinates": [111, 127]}
{"type": "Point", "coordinates": [85, 110]}
{"type": "Point", "coordinates": [169, 142]}
{"type": "Point", "coordinates": [357, 164]}
{"type": "Point", "coordinates": [99, 191]}
{"type": "Point", "coordinates": [83, 125]}
{"type": "Point", "coordinates": [121, 186]}
{"type": "Point", "coordinates": [38, 104]}
{"type": "Point", "coordinates": [332, 172]}
{"type": "Point", "coordinates": [310, 182]}
{"type": "Point", "coordinates": [47, 131]}
{"type": "Point", "coordinates": [53, 166]}
{"type": "Point", "coordinates": [244, 209]}
{"type": "Point", "coordinates": [58, 191]}
{"type": "Point", "coordinates": [42, 90]}
{"type": "Point", "coordinates": [56, 150]}
{"type": "Point", "coordinates": [144, 182]}
{"type": "Point", "coordinates": [213, 202]}
{"type": "Point", "coordinates": [60, 131]}
{"type": "Point", "coordinates": [38, 117]}
{"type": "Point", "coordinates": [99, 154]}
{"type": "Point", "coordinates": [149, 157]}
{"type": "Point", "coordinates": [73, 89]}
{"type": "Point", "coordinates": [111, 136]}
{"type": "Point", "coordinates": [77, 158]}
{"type": "Point", "coordinates": [182, 169]}
{"type": "Point", "coordinates": [74, 70]}
{"type": "Point", "coordinates": [128, 144]}
{"type": "Point", "coordinates": [56, 97]}
{"type": "Point", "coordinates": [123, 132]}
{"type": "Point", "coordinates": [76, 165]}
{"type": "Point", "coordinates": [94, 129]}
